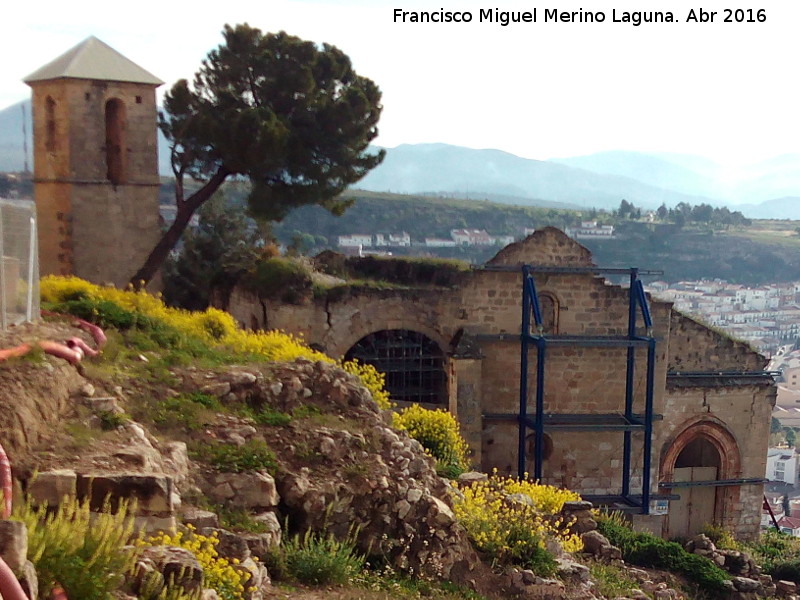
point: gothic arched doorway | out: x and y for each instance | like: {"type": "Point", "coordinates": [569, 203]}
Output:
{"type": "Point", "coordinates": [703, 453]}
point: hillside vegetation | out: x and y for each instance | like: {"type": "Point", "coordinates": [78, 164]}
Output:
{"type": "Point", "coordinates": [750, 253]}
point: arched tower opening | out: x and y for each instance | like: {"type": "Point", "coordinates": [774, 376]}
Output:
{"type": "Point", "coordinates": [115, 141]}
{"type": "Point", "coordinates": [50, 124]}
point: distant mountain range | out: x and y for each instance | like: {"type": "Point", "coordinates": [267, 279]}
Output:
{"type": "Point", "coordinates": [768, 189]}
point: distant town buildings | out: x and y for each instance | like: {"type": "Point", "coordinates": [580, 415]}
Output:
{"type": "Point", "coordinates": [767, 317]}
{"type": "Point", "coordinates": [458, 237]}
{"type": "Point", "coordinates": [590, 230]}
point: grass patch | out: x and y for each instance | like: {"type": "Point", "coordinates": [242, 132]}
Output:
{"type": "Point", "coordinates": [318, 559]}
{"type": "Point", "coordinates": [269, 416]}
{"type": "Point", "coordinates": [187, 412]}
{"type": "Point", "coordinates": [237, 519]}
{"type": "Point", "coordinates": [777, 553]}
{"type": "Point", "coordinates": [253, 456]}
{"type": "Point", "coordinates": [612, 581]}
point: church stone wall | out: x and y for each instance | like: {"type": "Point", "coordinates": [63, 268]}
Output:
{"type": "Point", "coordinates": [484, 307]}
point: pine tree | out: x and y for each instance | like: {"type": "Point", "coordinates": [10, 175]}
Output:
{"type": "Point", "coordinates": [291, 116]}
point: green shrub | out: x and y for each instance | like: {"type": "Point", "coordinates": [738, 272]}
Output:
{"type": "Point", "coordinates": [646, 550]}
{"type": "Point", "coordinates": [777, 553]}
{"type": "Point", "coordinates": [280, 278]}
{"type": "Point", "coordinates": [317, 559]}
{"type": "Point", "coordinates": [511, 532]}
{"type": "Point", "coordinates": [110, 420]}
{"type": "Point", "coordinates": [254, 455]}
{"type": "Point", "coordinates": [721, 537]}
{"type": "Point", "coordinates": [103, 312]}
{"type": "Point", "coordinates": [788, 571]}
{"type": "Point", "coordinates": [83, 552]}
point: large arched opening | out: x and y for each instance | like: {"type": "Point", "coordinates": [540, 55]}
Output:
{"type": "Point", "coordinates": [413, 363]}
{"type": "Point", "coordinates": [703, 453]}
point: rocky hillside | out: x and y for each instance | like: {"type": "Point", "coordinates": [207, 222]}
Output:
{"type": "Point", "coordinates": [249, 455]}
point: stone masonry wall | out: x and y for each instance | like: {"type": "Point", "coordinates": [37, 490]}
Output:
{"type": "Point", "coordinates": [696, 347]}
{"type": "Point", "coordinates": [738, 409]}
{"type": "Point", "coordinates": [744, 411]}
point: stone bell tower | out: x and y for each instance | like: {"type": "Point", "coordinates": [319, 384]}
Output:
{"type": "Point", "coordinates": [95, 163]}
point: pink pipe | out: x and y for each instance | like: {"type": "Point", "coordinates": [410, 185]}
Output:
{"type": "Point", "coordinates": [73, 350]}
{"type": "Point", "coordinates": [10, 589]}
{"type": "Point", "coordinates": [76, 342]}
{"type": "Point", "coordinates": [97, 333]}
{"type": "Point", "coordinates": [73, 356]}
{"type": "Point", "coordinates": [5, 478]}
{"type": "Point", "coordinates": [20, 350]}
{"type": "Point", "coordinates": [58, 593]}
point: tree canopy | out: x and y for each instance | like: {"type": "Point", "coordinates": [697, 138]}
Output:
{"type": "Point", "coordinates": [291, 116]}
{"type": "Point", "coordinates": [222, 247]}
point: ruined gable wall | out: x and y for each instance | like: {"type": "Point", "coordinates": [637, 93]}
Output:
{"type": "Point", "coordinates": [547, 246]}
{"type": "Point", "coordinates": [696, 347]}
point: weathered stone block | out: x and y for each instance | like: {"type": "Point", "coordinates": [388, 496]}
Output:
{"type": "Point", "coordinates": [51, 487]}
{"type": "Point", "coordinates": [252, 490]}
{"type": "Point", "coordinates": [200, 518]}
{"type": "Point", "coordinates": [14, 544]}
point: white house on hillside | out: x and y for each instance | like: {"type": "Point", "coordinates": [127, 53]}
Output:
{"type": "Point", "coordinates": [356, 239]}
{"type": "Point", "coordinates": [782, 465]}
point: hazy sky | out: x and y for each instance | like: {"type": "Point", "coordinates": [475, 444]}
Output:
{"type": "Point", "coordinates": [728, 91]}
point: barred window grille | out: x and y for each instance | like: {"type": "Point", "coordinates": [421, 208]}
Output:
{"type": "Point", "coordinates": [19, 263]}
{"type": "Point", "coordinates": [413, 364]}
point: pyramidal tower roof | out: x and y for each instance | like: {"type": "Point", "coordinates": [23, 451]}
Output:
{"type": "Point", "coordinates": [93, 59]}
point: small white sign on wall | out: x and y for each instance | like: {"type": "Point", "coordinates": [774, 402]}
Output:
{"type": "Point", "coordinates": [659, 507]}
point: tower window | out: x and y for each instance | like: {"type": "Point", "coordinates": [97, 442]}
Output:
{"type": "Point", "coordinates": [138, 99]}
{"type": "Point", "coordinates": [50, 124]}
{"type": "Point", "coordinates": [115, 141]}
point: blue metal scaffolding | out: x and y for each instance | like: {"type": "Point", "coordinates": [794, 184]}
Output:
{"type": "Point", "coordinates": [627, 422]}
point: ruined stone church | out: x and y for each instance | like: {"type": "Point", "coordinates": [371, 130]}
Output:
{"type": "Point", "coordinates": [689, 431]}
{"type": "Point", "coordinates": [654, 413]}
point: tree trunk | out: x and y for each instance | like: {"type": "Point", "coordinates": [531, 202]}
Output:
{"type": "Point", "coordinates": [186, 209]}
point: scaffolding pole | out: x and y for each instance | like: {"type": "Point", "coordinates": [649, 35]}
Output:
{"type": "Point", "coordinates": [628, 421]}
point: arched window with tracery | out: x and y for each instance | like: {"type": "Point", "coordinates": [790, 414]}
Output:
{"type": "Point", "coordinates": [414, 364]}
{"type": "Point", "coordinates": [115, 141]}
